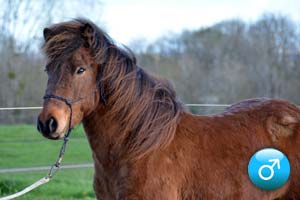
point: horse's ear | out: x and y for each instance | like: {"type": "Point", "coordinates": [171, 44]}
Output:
{"type": "Point", "coordinates": [48, 33]}
{"type": "Point", "coordinates": [89, 34]}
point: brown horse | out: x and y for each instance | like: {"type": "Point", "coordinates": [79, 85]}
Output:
{"type": "Point", "coordinates": [145, 144]}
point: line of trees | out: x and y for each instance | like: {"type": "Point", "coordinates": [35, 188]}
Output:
{"type": "Point", "coordinates": [231, 60]}
{"type": "Point", "coordinates": [223, 63]}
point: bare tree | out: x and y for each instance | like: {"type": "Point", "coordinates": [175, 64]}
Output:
{"type": "Point", "coordinates": [21, 69]}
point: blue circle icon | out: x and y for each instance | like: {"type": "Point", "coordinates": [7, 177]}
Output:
{"type": "Point", "coordinates": [269, 169]}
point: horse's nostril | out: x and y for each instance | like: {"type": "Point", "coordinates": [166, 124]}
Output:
{"type": "Point", "coordinates": [52, 125]}
{"type": "Point", "coordinates": [49, 127]}
{"type": "Point", "coordinates": [40, 126]}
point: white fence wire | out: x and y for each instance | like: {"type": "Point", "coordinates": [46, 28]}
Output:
{"type": "Point", "coordinates": [189, 105]}
{"type": "Point", "coordinates": [77, 166]}
{"type": "Point", "coordinates": [21, 108]}
{"type": "Point", "coordinates": [45, 168]}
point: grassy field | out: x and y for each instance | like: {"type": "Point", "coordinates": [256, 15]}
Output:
{"type": "Point", "coordinates": [23, 146]}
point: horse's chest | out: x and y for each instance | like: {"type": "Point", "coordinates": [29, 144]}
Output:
{"type": "Point", "coordinates": [111, 179]}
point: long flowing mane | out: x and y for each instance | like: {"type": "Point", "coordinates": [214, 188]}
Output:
{"type": "Point", "coordinates": [145, 106]}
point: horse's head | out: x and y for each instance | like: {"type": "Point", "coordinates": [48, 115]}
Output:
{"type": "Point", "coordinates": [73, 76]}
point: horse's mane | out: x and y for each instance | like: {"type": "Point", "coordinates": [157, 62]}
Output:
{"type": "Point", "coordinates": [144, 106]}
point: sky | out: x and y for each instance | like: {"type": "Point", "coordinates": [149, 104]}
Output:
{"type": "Point", "coordinates": [127, 20]}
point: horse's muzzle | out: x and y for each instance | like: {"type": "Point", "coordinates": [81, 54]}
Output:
{"type": "Point", "coordinates": [48, 127]}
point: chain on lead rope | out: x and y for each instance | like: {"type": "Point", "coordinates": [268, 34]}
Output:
{"type": "Point", "coordinates": [56, 166]}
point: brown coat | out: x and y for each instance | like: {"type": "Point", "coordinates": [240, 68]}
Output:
{"type": "Point", "coordinates": [207, 159]}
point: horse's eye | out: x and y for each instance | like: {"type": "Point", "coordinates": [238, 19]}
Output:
{"type": "Point", "coordinates": [80, 70]}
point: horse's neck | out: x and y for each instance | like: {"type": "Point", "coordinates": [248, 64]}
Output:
{"type": "Point", "coordinates": [118, 129]}
{"type": "Point", "coordinates": [102, 134]}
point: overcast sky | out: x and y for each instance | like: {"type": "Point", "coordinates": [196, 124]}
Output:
{"type": "Point", "coordinates": [126, 20]}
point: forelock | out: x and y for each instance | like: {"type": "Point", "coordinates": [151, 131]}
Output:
{"type": "Point", "coordinates": [62, 45]}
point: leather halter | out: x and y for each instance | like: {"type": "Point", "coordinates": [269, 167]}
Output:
{"type": "Point", "coordinates": [70, 102]}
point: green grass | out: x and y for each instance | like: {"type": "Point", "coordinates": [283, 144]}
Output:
{"type": "Point", "coordinates": [23, 146]}
{"type": "Point", "coordinates": [67, 184]}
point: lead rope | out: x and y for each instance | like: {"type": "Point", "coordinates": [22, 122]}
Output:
{"type": "Point", "coordinates": [56, 166]}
